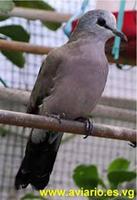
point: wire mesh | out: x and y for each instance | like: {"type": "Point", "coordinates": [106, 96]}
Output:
{"type": "Point", "coordinates": [76, 151]}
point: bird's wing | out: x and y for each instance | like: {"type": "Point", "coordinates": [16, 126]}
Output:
{"type": "Point", "coordinates": [44, 81]}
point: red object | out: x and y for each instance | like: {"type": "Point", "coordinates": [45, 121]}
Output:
{"type": "Point", "coordinates": [74, 24]}
{"type": "Point", "coordinates": [129, 28]}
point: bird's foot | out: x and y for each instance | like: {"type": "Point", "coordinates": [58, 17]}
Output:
{"type": "Point", "coordinates": [133, 144]}
{"type": "Point", "coordinates": [88, 125]}
{"type": "Point", "coordinates": [57, 117]}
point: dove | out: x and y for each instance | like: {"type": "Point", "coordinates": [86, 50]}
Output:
{"type": "Point", "coordinates": [69, 85]}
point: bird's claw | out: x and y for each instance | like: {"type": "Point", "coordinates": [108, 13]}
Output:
{"type": "Point", "coordinates": [133, 144]}
{"type": "Point", "coordinates": [88, 127]}
{"type": "Point", "coordinates": [57, 117]}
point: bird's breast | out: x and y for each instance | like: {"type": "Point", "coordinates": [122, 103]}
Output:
{"type": "Point", "coordinates": [76, 92]}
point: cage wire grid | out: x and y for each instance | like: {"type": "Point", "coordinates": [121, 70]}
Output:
{"type": "Point", "coordinates": [76, 151]}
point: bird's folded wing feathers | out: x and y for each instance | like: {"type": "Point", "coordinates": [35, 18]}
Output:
{"type": "Point", "coordinates": [44, 81]}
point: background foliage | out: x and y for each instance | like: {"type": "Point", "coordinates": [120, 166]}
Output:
{"type": "Point", "coordinates": [118, 173]}
{"type": "Point", "coordinates": [17, 32]}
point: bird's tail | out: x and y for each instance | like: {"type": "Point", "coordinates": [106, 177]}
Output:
{"type": "Point", "coordinates": [38, 162]}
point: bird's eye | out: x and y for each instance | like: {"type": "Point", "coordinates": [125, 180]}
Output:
{"type": "Point", "coordinates": [101, 22]}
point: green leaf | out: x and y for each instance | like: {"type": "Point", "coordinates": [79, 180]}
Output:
{"type": "Point", "coordinates": [16, 58]}
{"type": "Point", "coordinates": [18, 33]}
{"type": "Point", "coordinates": [117, 177]}
{"type": "Point", "coordinates": [118, 164]}
{"type": "Point", "coordinates": [15, 32]}
{"type": "Point", "coordinates": [6, 6]}
{"type": "Point", "coordinates": [3, 131]}
{"type": "Point", "coordinates": [39, 4]}
{"type": "Point", "coordinates": [2, 18]}
{"type": "Point", "coordinates": [86, 176]}
{"type": "Point", "coordinates": [52, 25]}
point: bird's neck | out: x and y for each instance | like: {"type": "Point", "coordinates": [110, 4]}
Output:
{"type": "Point", "coordinates": [76, 35]}
{"type": "Point", "coordinates": [87, 37]}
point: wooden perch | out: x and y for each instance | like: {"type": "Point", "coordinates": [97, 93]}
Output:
{"type": "Point", "coordinates": [119, 102]}
{"type": "Point", "coordinates": [24, 47]}
{"type": "Point", "coordinates": [35, 14]}
{"type": "Point", "coordinates": [43, 122]}
{"type": "Point", "coordinates": [114, 113]}
{"type": "Point", "coordinates": [39, 49]}
{"type": "Point", "coordinates": [53, 16]}
{"type": "Point", "coordinates": [20, 97]}
{"type": "Point", "coordinates": [14, 96]}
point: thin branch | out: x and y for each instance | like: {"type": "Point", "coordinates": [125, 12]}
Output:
{"type": "Point", "coordinates": [52, 16]}
{"type": "Point", "coordinates": [114, 113]}
{"type": "Point", "coordinates": [34, 14]}
{"type": "Point", "coordinates": [24, 47]}
{"type": "Point", "coordinates": [14, 96]}
{"type": "Point", "coordinates": [38, 49]}
{"type": "Point", "coordinates": [43, 122]}
{"type": "Point", "coordinates": [119, 102]}
{"type": "Point", "coordinates": [20, 97]}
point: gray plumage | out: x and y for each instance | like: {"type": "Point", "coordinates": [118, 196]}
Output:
{"type": "Point", "coordinates": [70, 83]}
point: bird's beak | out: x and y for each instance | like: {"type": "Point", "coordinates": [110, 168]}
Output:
{"type": "Point", "coordinates": [120, 34]}
{"type": "Point", "coordinates": [117, 32]}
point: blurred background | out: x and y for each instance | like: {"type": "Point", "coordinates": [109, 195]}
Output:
{"type": "Point", "coordinates": [74, 150]}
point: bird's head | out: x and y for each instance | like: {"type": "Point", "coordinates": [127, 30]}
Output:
{"type": "Point", "coordinates": [101, 23]}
